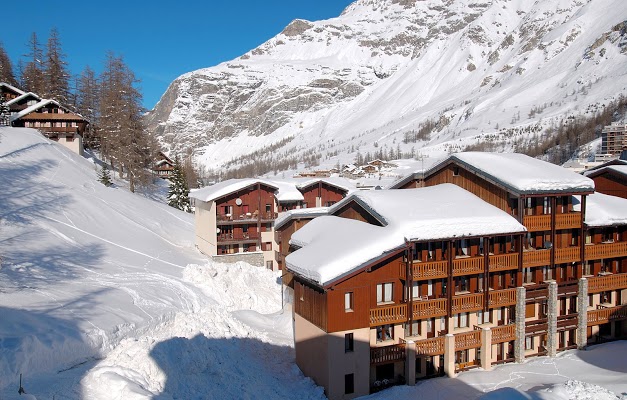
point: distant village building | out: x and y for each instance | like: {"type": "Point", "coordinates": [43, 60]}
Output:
{"type": "Point", "coordinates": [614, 139]}
{"type": "Point", "coordinates": [164, 166]}
{"type": "Point", "coordinates": [54, 120]}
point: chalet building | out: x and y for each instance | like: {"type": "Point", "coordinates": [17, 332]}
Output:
{"type": "Point", "coordinates": [53, 120]}
{"type": "Point", "coordinates": [614, 139]}
{"type": "Point", "coordinates": [550, 275]}
{"type": "Point", "coordinates": [307, 193]}
{"type": "Point", "coordinates": [237, 216]}
{"type": "Point", "coordinates": [286, 224]}
{"type": "Point", "coordinates": [611, 179]}
{"type": "Point", "coordinates": [163, 167]}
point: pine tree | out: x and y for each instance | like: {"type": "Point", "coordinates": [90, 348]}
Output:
{"type": "Point", "coordinates": [104, 177]}
{"type": "Point", "coordinates": [56, 75]}
{"type": "Point", "coordinates": [32, 74]}
{"type": "Point", "coordinates": [178, 193]}
{"type": "Point", "coordinates": [6, 68]}
{"type": "Point", "coordinates": [87, 104]}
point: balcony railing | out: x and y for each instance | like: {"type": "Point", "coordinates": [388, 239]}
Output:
{"type": "Point", "coordinates": [568, 221]}
{"type": "Point", "coordinates": [468, 340]}
{"type": "Point", "coordinates": [380, 355]}
{"type": "Point", "coordinates": [426, 270]}
{"type": "Point", "coordinates": [535, 258]}
{"type": "Point", "coordinates": [388, 314]}
{"type": "Point", "coordinates": [430, 347]}
{"type": "Point", "coordinates": [504, 333]}
{"type": "Point", "coordinates": [468, 266]}
{"type": "Point", "coordinates": [467, 303]}
{"type": "Point", "coordinates": [606, 250]}
{"type": "Point", "coordinates": [567, 254]}
{"type": "Point", "coordinates": [226, 237]}
{"type": "Point", "coordinates": [429, 308]}
{"type": "Point", "coordinates": [537, 222]}
{"type": "Point", "coordinates": [503, 262]}
{"type": "Point", "coordinates": [501, 298]}
{"type": "Point", "coordinates": [607, 282]}
{"type": "Point", "coordinates": [605, 315]}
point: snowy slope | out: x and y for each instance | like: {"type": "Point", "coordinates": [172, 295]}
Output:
{"type": "Point", "coordinates": [466, 71]}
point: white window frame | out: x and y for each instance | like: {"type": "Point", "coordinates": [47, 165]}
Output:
{"type": "Point", "coordinates": [348, 301]}
{"type": "Point", "coordinates": [385, 293]}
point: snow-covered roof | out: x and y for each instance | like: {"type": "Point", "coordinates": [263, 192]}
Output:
{"type": "Point", "coordinates": [288, 191]}
{"type": "Point", "coordinates": [22, 96]}
{"type": "Point", "coordinates": [11, 87]}
{"type": "Point", "coordinates": [286, 216]}
{"type": "Point", "coordinates": [605, 210]}
{"type": "Point", "coordinates": [336, 181]}
{"type": "Point", "coordinates": [32, 108]}
{"type": "Point", "coordinates": [523, 174]}
{"type": "Point", "coordinates": [417, 170]}
{"type": "Point", "coordinates": [615, 168]}
{"type": "Point", "coordinates": [224, 188]}
{"type": "Point", "coordinates": [333, 247]}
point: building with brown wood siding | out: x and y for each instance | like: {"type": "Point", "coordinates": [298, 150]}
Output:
{"type": "Point", "coordinates": [558, 282]}
{"type": "Point", "coordinates": [611, 179]}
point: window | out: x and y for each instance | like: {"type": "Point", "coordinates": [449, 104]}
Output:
{"type": "Point", "coordinates": [412, 328]}
{"type": "Point", "coordinates": [348, 301]}
{"type": "Point", "coordinates": [460, 320]}
{"type": "Point", "coordinates": [268, 208]}
{"type": "Point", "coordinates": [586, 268]}
{"type": "Point", "coordinates": [228, 210]}
{"type": "Point", "coordinates": [429, 288]}
{"type": "Point", "coordinates": [527, 275]}
{"type": "Point", "coordinates": [590, 300]}
{"type": "Point", "coordinates": [349, 383]}
{"type": "Point", "coordinates": [606, 297]}
{"type": "Point", "coordinates": [461, 284]}
{"type": "Point", "coordinates": [269, 264]}
{"type": "Point", "coordinates": [384, 292]}
{"type": "Point", "coordinates": [547, 273]}
{"type": "Point", "coordinates": [385, 332]}
{"type": "Point", "coordinates": [461, 356]}
{"type": "Point", "coordinates": [529, 343]}
{"type": "Point", "coordinates": [483, 317]}
{"type": "Point", "coordinates": [455, 171]}
{"type": "Point", "coordinates": [348, 343]}
{"type": "Point", "coordinates": [415, 292]}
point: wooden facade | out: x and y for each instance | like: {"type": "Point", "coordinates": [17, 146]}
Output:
{"type": "Point", "coordinates": [610, 181]}
{"type": "Point", "coordinates": [322, 194]}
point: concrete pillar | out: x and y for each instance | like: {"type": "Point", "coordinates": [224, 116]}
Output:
{"type": "Point", "coordinates": [449, 355]}
{"type": "Point", "coordinates": [410, 363]}
{"type": "Point", "coordinates": [551, 336]}
{"type": "Point", "coordinates": [486, 349]}
{"type": "Point", "coordinates": [582, 311]}
{"type": "Point", "coordinates": [519, 342]}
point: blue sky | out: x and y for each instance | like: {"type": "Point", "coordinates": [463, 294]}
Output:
{"type": "Point", "coordinates": [159, 40]}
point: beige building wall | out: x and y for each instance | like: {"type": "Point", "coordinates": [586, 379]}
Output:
{"type": "Point", "coordinates": [270, 255]}
{"type": "Point", "coordinates": [312, 357]}
{"type": "Point", "coordinates": [342, 363]}
{"type": "Point", "coordinates": [76, 145]}
{"type": "Point", "coordinates": [205, 227]}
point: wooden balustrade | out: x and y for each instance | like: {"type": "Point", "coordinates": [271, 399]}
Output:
{"type": "Point", "coordinates": [605, 315]}
{"type": "Point", "coordinates": [467, 303]}
{"type": "Point", "coordinates": [606, 250]}
{"type": "Point", "coordinates": [535, 258]}
{"type": "Point", "coordinates": [430, 347]}
{"type": "Point", "coordinates": [501, 298]}
{"type": "Point", "coordinates": [468, 340]}
{"type": "Point", "coordinates": [537, 222]}
{"type": "Point", "coordinates": [567, 255]}
{"type": "Point", "coordinates": [467, 266]}
{"type": "Point", "coordinates": [388, 314]}
{"type": "Point", "coordinates": [429, 308]}
{"type": "Point", "coordinates": [430, 270]}
{"type": "Point", "coordinates": [379, 355]}
{"type": "Point", "coordinates": [568, 221]}
{"type": "Point", "coordinates": [608, 282]}
{"type": "Point", "coordinates": [503, 262]}
{"type": "Point", "coordinates": [504, 333]}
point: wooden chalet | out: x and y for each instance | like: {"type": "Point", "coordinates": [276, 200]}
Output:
{"type": "Point", "coordinates": [549, 277]}
{"type": "Point", "coordinates": [611, 179]}
{"type": "Point", "coordinates": [163, 167]}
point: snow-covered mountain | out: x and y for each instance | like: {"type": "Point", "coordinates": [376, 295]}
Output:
{"type": "Point", "coordinates": [397, 74]}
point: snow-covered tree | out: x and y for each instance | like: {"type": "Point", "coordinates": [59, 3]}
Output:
{"type": "Point", "coordinates": [56, 75]}
{"type": "Point", "coordinates": [178, 193]}
{"type": "Point", "coordinates": [104, 177]}
{"type": "Point", "coordinates": [6, 68]}
{"type": "Point", "coordinates": [32, 74]}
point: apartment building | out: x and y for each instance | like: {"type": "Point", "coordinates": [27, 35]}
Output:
{"type": "Point", "coordinates": [430, 282]}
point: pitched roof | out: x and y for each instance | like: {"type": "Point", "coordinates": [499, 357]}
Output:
{"type": "Point", "coordinates": [522, 174]}
{"type": "Point", "coordinates": [309, 213]}
{"type": "Point", "coordinates": [333, 247]}
{"type": "Point", "coordinates": [605, 210]}
{"type": "Point", "coordinates": [11, 87]}
{"type": "Point", "coordinates": [23, 114]}
{"type": "Point", "coordinates": [22, 96]}
{"type": "Point", "coordinates": [614, 168]}
{"type": "Point", "coordinates": [225, 188]}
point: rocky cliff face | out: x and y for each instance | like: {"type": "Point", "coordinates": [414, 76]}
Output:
{"type": "Point", "coordinates": [385, 70]}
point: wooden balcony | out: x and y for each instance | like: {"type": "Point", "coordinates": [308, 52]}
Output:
{"type": "Point", "coordinates": [468, 266]}
{"type": "Point", "coordinates": [425, 270]}
{"type": "Point", "coordinates": [391, 314]}
{"type": "Point", "coordinates": [535, 258]}
{"type": "Point", "coordinates": [467, 303]}
{"type": "Point", "coordinates": [503, 262]}
{"type": "Point", "coordinates": [428, 308]}
{"type": "Point", "coordinates": [238, 237]}
{"type": "Point", "coordinates": [543, 222]}
{"type": "Point", "coordinates": [501, 298]}
{"type": "Point", "coordinates": [568, 221]}
{"type": "Point", "coordinates": [606, 250]}
{"type": "Point", "coordinates": [605, 315]}
{"type": "Point", "coordinates": [58, 129]}
{"type": "Point", "coordinates": [269, 216]}
{"type": "Point", "coordinates": [537, 222]}
{"type": "Point", "coordinates": [381, 355]}
{"type": "Point", "coordinates": [567, 322]}
{"type": "Point", "coordinates": [567, 255]}
{"type": "Point", "coordinates": [430, 347]}
{"type": "Point", "coordinates": [468, 340]}
{"type": "Point", "coordinates": [608, 282]}
{"type": "Point", "coordinates": [504, 333]}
